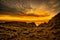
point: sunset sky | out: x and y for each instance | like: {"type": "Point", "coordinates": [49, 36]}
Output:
{"type": "Point", "coordinates": [28, 10]}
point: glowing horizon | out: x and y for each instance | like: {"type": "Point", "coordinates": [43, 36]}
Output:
{"type": "Point", "coordinates": [25, 18]}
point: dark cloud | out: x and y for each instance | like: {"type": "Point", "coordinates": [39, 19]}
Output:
{"type": "Point", "coordinates": [21, 5]}
{"type": "Point", "coordinates": [6, 8]}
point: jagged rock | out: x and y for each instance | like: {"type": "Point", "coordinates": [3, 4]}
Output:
{"type": "Point", "coordinates": [54, 26]}
{"type": "Point", "coordinates": [29, 31]}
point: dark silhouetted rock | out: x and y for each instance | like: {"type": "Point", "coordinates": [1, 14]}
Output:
{"type": "Point", "coordinates": [29, 31]}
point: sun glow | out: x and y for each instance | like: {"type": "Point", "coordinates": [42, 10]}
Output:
{"type": "Point", "coordinates": [43, 16]}
{"type": "Point", "coordinates": [25, 18]}
{"type": "Point", "coordinates": [37, 12]}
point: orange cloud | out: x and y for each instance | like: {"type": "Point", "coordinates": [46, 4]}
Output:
{"type": "Point", "coordinates": [25, 18]}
